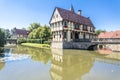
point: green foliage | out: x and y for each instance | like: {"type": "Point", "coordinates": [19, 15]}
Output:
{"type": "Point", "coordinates": [41, 54]}
{"type": "Point", "coordinates": [47, 42]}
{"type": "Point", "coordinates": [36, 45]}
{"type": "Point", "coordinates": [7, 33]}
{"type": "Point", "coordinates": [2, 36]}
{"type": "Point", "coordinates": [33, 26]}
{"type": "Point", "coordinates": [21, 40]}
{"type": "Point", "coordinates": [99, 31]}
{"type": "Point", "coordinates": [43, 33]}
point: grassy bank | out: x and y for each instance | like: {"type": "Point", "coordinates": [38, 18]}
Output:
{"type": "Point", "coordinates": [35, 45]}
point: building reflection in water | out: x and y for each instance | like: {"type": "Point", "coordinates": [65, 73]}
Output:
{"type": "Point", "coordinates": [69, 66]}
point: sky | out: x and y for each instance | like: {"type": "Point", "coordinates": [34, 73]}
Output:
{"type": "Point", "coordinates": [105, 14]}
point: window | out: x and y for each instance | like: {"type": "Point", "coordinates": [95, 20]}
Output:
{"type": "Point", "coordinates": [60, 35]}
{"type": "Point", "coordinates": [91, 29]}
{"type": "Point", "coordinates": [65, 23]}
{"type": "Point", "coordinates": [64, 34]}
{"type": "Point", "coordinates": [76, 26]}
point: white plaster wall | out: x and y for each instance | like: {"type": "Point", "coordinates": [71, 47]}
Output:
{"type": "Point", "coordinates": [54, 18]}
{"type": "Point", "coordinates": [87, 36]}
{"type": "Point", "coordinates": [81, 36]}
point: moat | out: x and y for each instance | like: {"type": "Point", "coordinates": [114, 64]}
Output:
{"type": "Point", "coordinates": [24, 63]}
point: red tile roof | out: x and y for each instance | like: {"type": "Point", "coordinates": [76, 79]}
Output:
{"type": "Point", "coordinates": [71, 16]}
{"type": "Point", "coordinates": [112, 34]}
{"type": "Point", "coordinates": [21, 31]}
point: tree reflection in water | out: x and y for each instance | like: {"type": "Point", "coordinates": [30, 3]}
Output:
{"type": "Point", "coordinates": [43, 55]}
{"type": "Point", "coordinates": [70, 64]}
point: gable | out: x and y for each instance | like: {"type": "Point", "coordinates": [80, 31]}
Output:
{"type": "Point", "coordinates": [56, 16]}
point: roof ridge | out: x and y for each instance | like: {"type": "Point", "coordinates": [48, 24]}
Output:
{"type": "Point", "coordinates": [72, 12]}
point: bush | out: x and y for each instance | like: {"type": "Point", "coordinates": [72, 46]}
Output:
{"type": "Point", "coordinates": [19, 41]}
{"type": "Point", "coordinates": [47, 42]}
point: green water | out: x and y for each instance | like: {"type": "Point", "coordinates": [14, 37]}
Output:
{"type": "Point", "coordinates": [59, 64]}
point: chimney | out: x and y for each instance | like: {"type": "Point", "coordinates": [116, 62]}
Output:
{"type": "Point", "coordinates": [80, 12]}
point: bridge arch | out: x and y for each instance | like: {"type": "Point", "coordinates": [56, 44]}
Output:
{"type": "Point", "coordinates": [92, 47]}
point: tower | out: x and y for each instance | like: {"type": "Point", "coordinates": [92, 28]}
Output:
{"type": "Point", "coordinates": [72, 9]}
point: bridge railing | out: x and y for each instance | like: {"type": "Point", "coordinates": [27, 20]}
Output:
{"type": "Point", "coordinates": [82, 40]}
{"type": "Point", "coordinates": [106, 40]}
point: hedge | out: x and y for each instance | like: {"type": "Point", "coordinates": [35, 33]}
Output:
{"type": "Point", "coordinates": [41, 41]}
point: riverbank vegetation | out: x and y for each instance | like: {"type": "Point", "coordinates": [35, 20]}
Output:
{"type": "Point", "coordinates": [2, 36]}
{"type": "Point", "coordinates": [36, 45]}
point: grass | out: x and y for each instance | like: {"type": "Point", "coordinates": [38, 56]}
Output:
{"type": "Point", "coordinates": [36, 45]}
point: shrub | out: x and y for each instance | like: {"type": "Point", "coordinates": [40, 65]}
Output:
{"type": "Point", "coordinates": [47, 42]}
{"type": "Point", "coordinates": [21, 40]}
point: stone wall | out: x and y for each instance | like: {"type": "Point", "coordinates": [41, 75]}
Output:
{"type": "Point", "coordinates": [71, 45]}
{"type": "Point", "coordinates": [113, 47]}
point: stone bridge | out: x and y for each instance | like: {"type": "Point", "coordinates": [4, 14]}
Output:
{"type": "Point", "coordinates": [107, 43]}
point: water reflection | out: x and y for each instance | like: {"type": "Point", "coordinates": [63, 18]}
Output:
{"type": "Point", "coordinates": [2, 64]}
{"type": "Point", "coordinates": [9, 56]}
{"type": "Point", "coordinates": [59, 64]}
{"type": "Point", "coordinates": [42, 55]}
{"type": "Point", "coordinates": [83, 65]}
{"type": "Point", "coordinates": [70, 66]}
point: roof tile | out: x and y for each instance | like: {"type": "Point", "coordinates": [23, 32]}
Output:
{"type": "Point", "coordinates": [71, 16]}
{"type": "Point", "coordinates": [112, 34]}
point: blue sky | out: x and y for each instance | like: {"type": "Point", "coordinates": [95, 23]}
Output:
{"type": "Point", "coordinates": [105, 14]}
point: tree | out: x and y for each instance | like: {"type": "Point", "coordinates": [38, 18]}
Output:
{"type": "Point", "coordinates": [2, 36]}
{"type": "Point", "coordinates": [99, 31]}
{"type": "Point", "coordinates": [7, 33]}
{"type": "Point", "coordinates": [42, 32]}
{"type": "Point", "coordinates": [33, 26]}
